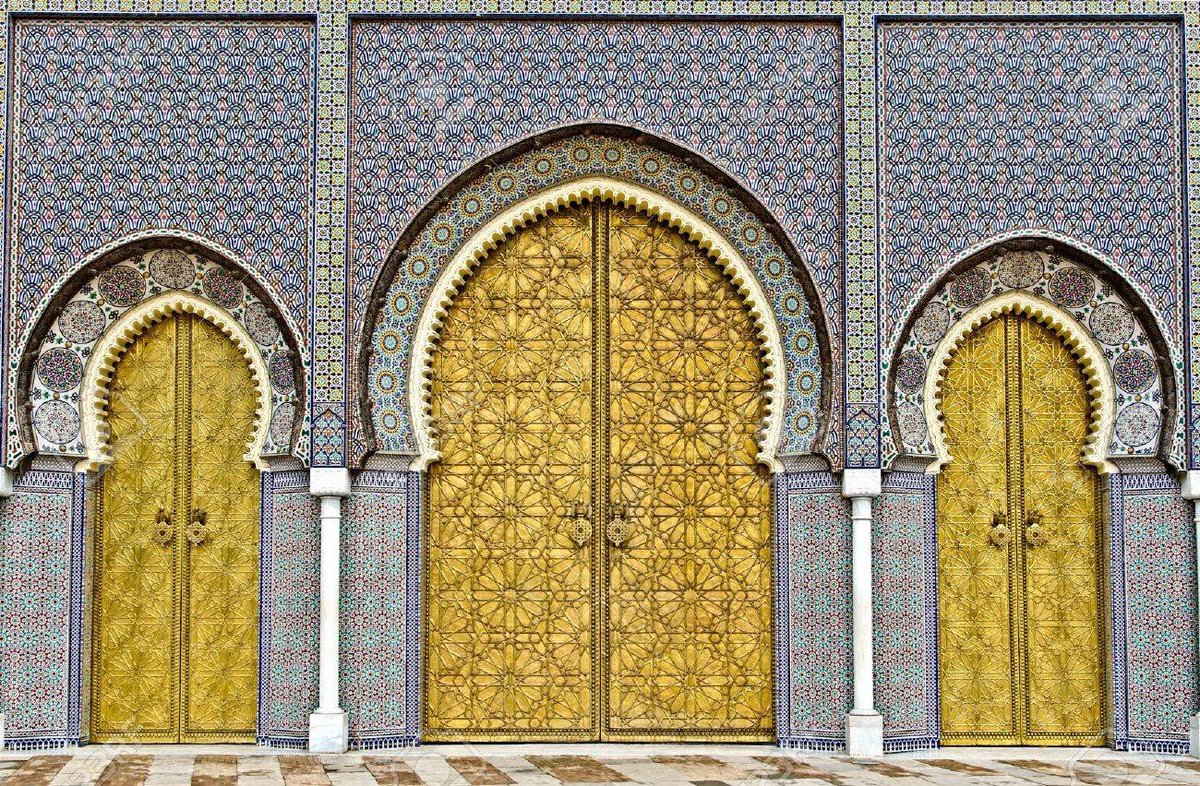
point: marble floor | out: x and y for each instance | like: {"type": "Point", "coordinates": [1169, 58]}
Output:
{"type": "Point", "coordinates": [669, 765]}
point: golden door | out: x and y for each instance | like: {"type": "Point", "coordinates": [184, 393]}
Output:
{"type": "Point", "coordinates": [598, 548]}
{"type": "Point", "coordinates": [1018, 545]}
{"type": "Point", "coordinates": [175, 570]}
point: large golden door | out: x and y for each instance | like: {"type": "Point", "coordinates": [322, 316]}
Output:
{"type": "Point", "coordinates": [1018, 545]}
{"type": "Point", "coordinates": [175, 571]}
{"type": "Point", "coordinates": [598, 548]}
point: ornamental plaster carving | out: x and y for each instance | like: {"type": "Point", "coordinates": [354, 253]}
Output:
{"type": "Point", "coordinates": [512, 220]}
{"type": "Point", "coordinates": [1087, 351]}
{"type": "Point", "coordinates": [122, 334]}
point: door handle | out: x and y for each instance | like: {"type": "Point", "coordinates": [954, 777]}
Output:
{"type": "Point", "coordinates": [618, 528]}
{"type": "Point", "coordinates": [579, 522]}
{"type": "Point", "coordinates": [1035, 533]}
{"type": "Point", "coordinates": [164, 533]}
{"type": "Point", "coordinates": [1000, 534]}
{"type": "Point", "coordinates": [198, 532]}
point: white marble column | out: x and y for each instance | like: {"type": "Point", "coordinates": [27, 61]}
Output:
{"type": "Point", "coordinates": [1191, 491]}
{"type": "Point", "coordinates": [864, 726]}
{"type": "Point", "coordinates": [328, 731]}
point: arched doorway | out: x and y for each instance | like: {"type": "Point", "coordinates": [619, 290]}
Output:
{"type": "Point", "coordinates": [598, 547]}
{"type": "Point", "coordinates": [1019, 546]}
{"type": "Point", "coordinates": [176, 541]}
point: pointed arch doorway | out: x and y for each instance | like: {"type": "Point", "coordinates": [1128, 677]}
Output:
{"type": "Point", "coordinates": [598, 549]}
{"type": "Point", "coordinates": [1019, 543]}
{"type": "Point", "coordinates": [175, 542]}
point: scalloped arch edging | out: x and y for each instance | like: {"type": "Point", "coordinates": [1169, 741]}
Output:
{"type": "Point", "coordinates": [1102, 402]}
{"type": "Point", "coordinates": [124, 332]}
{"type": "Point", "coordinates": [532, 208]}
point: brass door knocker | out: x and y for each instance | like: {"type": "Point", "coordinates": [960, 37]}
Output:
{"type": "Point", "coordinates": [1035, 533]}
{"type": "Point", "coordinates": [164, 533]}
{"type": "Point", "coordinates": [618, 528]}
{"type": "Point", "coordinates": [198, 532]}
{"type": "Point", "coordinates": [1000, 534]}
{"type": "Point", "coordinates": [579, 522]}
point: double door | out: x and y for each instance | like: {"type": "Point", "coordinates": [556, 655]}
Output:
{"type": "Point", "coordinates": [598, 550]}
{"type": "Point", "coordinates": [175, 568]}
{"type": "Point", "coordinates": [1018, 545]}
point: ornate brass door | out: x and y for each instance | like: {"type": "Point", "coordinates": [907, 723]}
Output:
{"type": "Point", "coordinates": [175, 570]}
{"type": "Point", "coordinates": [598, 549]}
{"type": "Point", "coordinates": [1018, 545]}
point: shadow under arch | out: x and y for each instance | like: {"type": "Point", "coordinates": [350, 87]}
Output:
{"type": "Point", "coordinates": [385, 278]}
{"type": "Point", "coordinates": [139, 315]}
{"type": "Point", "coordinates": [1047, 313]}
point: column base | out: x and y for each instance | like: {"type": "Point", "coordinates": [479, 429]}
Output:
{"type": "Point", "coordinates": [864, 734]}
{"type": "Point", "coordinates": [1194, 737]}
{"type": "Point", "coordinates": [328, 732]}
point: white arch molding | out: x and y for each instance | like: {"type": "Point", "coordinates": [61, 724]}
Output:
{"type": "Point", "coordinates": [619, 192]}
{"type": "Point", "coordinates": [1098, 376]}
{"type": "Point", "coordinates": [121, 335]}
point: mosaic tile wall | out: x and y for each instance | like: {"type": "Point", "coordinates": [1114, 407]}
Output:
{"type": "Point", "coordinates": [41, 592]}
{"type": "Point", "coordinates": [290, 604]}
{"type": "Point", "coordinates": [124, 126]}
{"type": "Point", "coordinates": [381, 592]}
{"type": "Point", "coordinates": [904, 557]}
{"type": "Point", "coordinates": [989, 128]}
{"type": "Point", "coordinates": [812, 634]}
{"type": "Point", "coordinates": [428, 98]}
{"type": "Point", "coordinates": [1154, 608]}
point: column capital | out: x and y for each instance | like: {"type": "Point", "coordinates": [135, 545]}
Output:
{"type": "Point", "coordinates": [7, 476]}
{"type": "Point", "coordinates": [861, 482]}
{"type": "Point", "coordinates": [329, 482]}
{"type": "Point", "coordinates": [1190, 488]}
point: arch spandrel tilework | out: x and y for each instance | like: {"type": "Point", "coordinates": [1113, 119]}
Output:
{"type": "Point", "coordinates": [55, 375]}
{"type": "Point", "coordinates": [805, 346]}
{"type": "Point", "coordinates": [1132, 350]}
{"type": "Point", "coordinates": [989, 128]}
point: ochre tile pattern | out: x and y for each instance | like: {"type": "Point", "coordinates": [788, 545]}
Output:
{"type": "Point", "coordinates": [682, 766]}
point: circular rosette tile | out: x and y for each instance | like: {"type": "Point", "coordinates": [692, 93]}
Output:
{"type": "Point", "coordinates": [912, 424]}
{"type": "Point", "coordinates": [1072, 287]}
{"type": "Point", "coordinates": [1135, 371]}
{"type": "Point", "coordinates": [971, 287]}
{"type": "Point", "coordinates": [1137, 424]}
{"type": "Point", "coordinates": [173, 269]}
{"type": "Point", "coordinates": [1111, 323]}
{"type": "Point", "coordinates": [60, 369]}
{"type": "Point", "coordinates": [261, 325]}
{"type": "Point", "coordinates": [57, 422]}
{"type": "Point", "coordinates": [932, 324]}
{"type": "Point", "coordinates": [283, 376]}
{"type": "Point", "coordinates": [223, 288]}
{"type": "Point", "coordinates": [121, 285]}
{"type": "Point", "coordinates": [1020, 269]}
{"type": "Point", "coordinates": [282, 421]}
{"type": "Point", "coordinates": [910, 371]}
{"type": "Point", "coordinates": [81, 321]}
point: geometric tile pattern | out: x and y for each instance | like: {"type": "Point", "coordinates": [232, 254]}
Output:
{"type": "Point", "coordinates": [813, 647]}
{"type": "Point", "coordinates": [1154, 613]}
{"type": "Point", "coordinates": [1067, 127]}
{"type": "Point", "coordinates": [41, 585]}
{"type": "Point", "coordinates": [124, 126]}
{"type": "Point", "coordinates": [429, 97]}
{"type": "Point", "coordinates": [380, 609]}
{"type": "Point", "coordinates": [290, 602]}
{"type": "Point", "coordinates": [507, 182]}
{"type": "Point", "coordinates": [904, 554]}
{"type": "Point", "coordinates": [1117, 327]}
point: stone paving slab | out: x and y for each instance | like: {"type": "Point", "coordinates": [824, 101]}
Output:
{"type": "Point", "coordinates": [583, 765]}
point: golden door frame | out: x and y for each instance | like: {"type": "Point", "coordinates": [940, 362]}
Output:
{"type": "Point", "coordinates": [622, 193]}
{"type": "Point", "coordinates": [1100, 392]}
{"type": "Point", "coordinates": [98, 373]}
{"type": "Point", "coordinates": [525, 212]}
